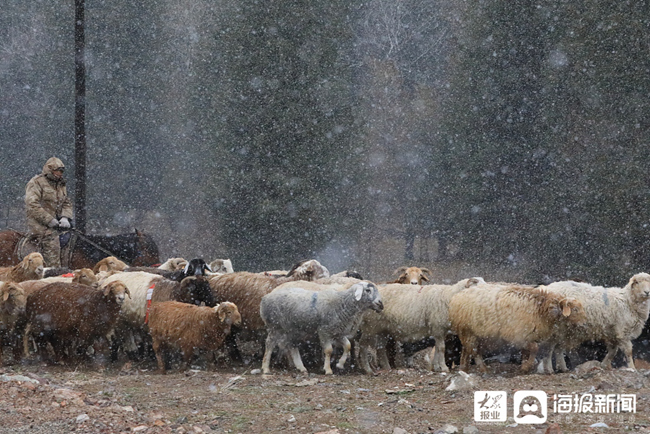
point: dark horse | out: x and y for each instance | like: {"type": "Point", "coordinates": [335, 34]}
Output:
{"type": "Point", "coordinates": [135, 248]}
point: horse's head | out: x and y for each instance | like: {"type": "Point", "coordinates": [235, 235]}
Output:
{"type": "Point", "coordinates": [146, 250]}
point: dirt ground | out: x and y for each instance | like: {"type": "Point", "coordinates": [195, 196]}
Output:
{"type": "Point", "coordinates": [54, 399]}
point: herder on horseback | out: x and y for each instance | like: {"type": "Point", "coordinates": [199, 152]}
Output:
{"type": "Point", "coordinates": [48, 209]}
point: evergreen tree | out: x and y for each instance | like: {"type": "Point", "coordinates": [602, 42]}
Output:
{"type": "Point", "coordinates": [290, 174]}
{"type": "Point", "coordinates": [36, 75]}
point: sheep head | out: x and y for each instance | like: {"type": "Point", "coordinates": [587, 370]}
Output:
{"type": "Point", "coordinates": [85, 276]}
{"type": "Point", "coordinates": [228, 313]}
{"type": "Point", "coordinates": [221, 266]}
{"type": "Point", "coordinates": [367, 293]}
{"type": "Point", "coordinates": [13, 298]}
{"type": "Point", "coordinates": [639, 287]}
{"type": "Point", "coordinates": [473, 281]}
{"type": "Point", "coordinates": [110, 263]}
{"type": "Point", "coordinates": [412, 275]}
{"type": "Point", "coordinates": [173, 264]}
{"type": "Point", "coordinates": [309, 270]}
{"type": "Point", "coordinates": [196, 267]}
{"type": "Point", "coordinates": [573, 311]}
{"type": "Point", "coordinates": [568, 309]}
{"type": "Point", "coordinates": [118, 290]}
{"type": "Point", "coordinates": [30, 268]}
{"type": "Point", "coordinates": [178, 264]}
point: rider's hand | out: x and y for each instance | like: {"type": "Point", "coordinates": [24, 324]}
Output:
{"type": "Point", "coordinates": [64, 223]}
{"type": "Point", "coordinates": [53, 223]}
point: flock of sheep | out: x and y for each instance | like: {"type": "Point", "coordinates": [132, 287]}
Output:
{"type": "Point", "coordinates": [184, 308]}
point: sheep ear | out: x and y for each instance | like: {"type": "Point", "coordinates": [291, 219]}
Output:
{"type": "Point", "coordinates": [471, 282]}
{"type": "Point", "coordinates": [107, 289]}
{"type": "Point", "coordinates": [127, 292]}
{"type": "Point", "coordinates": [566, 309]}
{"type": "Point", "coordinates": [358, 292]}
{"type": "Point", "coordinates": [5, 295]}
{"type": "Point", "coordinates": [222, 314]}
{"type": "Point", "coordinates": [425, 278]}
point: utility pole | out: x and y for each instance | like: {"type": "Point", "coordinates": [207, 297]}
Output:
{"type": "Point", "coordinates": [80, 117]}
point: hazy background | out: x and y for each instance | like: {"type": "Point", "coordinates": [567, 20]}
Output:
{"type": "Point", "coordinates": [503, 139]}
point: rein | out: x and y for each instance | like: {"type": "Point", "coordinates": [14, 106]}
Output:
{"type": "Point", "coordinates": [95, 245]}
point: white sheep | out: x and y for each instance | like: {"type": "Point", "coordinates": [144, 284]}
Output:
{"type": "Point", "coordinates": [614, 315]}
{"type": "Point", "coordinates": [410, 314]}
{"type": "Point", "coordinates": [335, 283]}
{"type": "Point", "coordinates": [522, 316]}
{"type": "Point", "coordinates": [293, 315]}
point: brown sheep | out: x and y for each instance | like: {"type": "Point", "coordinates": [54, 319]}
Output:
{"type": "Point", "coordinates": [522, 316]}
{"type": "Point", "coordinates": [31, 267]}
{"type": "Point", "coordinates": [189, 328]}
{"type": "Point", "coordinates": [109, 264]}
{"type": "Point", "coordinates": [12, 314]}
{"type": "Point", "coordinates": [147, 288]}
{"type": "Point", "coordinates": [411, 275]}
{"type": "Point", "coordinates": [84, 276]}
{"type": "Point", "coordinates": [64, 314]}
